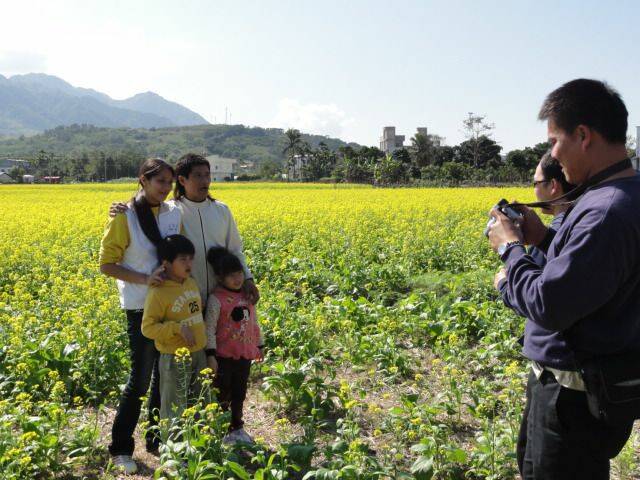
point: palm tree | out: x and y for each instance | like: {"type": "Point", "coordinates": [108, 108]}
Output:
{"type": "Point", "coordinates": [294, 147]}
{"type": "Point", "coordinates": [421, 149]}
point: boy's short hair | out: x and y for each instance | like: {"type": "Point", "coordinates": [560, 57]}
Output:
{"type": "Point", "coordinates": [223, 261]}
{"type": "Point", "coordinates": [174, 245]}
{"type": "Point", "coordinates": [551, 169]}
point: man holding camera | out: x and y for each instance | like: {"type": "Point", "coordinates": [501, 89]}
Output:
{"type": "Point", "coordinates": [584, 303]}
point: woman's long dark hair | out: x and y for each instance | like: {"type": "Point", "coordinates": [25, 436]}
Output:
{"type": "Point", "coordinates": [183, 168]}
{"type": "Point", "coordinates": [149, 169]}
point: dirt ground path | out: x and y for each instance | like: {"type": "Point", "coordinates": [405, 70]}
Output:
{"type": "Point", "coordinates": [259, 420]}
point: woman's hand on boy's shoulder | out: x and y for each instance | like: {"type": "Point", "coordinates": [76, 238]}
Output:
{"type": "Point", "coordinates": [117, 207]}
{"type": "Point", "coordinates": [251, 290]}
{"type": "Point", "coordinates": [157, 277]}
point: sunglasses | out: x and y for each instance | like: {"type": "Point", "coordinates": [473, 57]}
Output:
{"type": "Point", "coordinates": [536, 182]}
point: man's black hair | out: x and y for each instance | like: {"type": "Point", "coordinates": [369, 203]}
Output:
{"type": "Point", "coordinates": [174, 245]}
{"type": "Point", "coordinates": [185, 164]}
{"type": "Point", "coordinates": [223, 261]}
{"type": "Point", "coordinates": [551, 169]}
{"type": "Point", "coordinates": [587, 102]}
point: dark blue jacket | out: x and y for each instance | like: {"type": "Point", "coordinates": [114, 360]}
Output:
{"type": "Point", "coordinates": [547, 347]}
{"type": "Point", "coordinates": [589, 289]}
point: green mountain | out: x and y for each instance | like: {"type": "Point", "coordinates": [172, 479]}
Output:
{"type": "Point", "coordinates": [36, 102]}
{"type": "Point", "coordinates": [248, 144]}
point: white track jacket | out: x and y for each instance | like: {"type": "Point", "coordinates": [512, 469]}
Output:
{"type": "Point", "coordinates": [209, 224]}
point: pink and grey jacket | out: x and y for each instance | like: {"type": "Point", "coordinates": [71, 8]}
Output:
{"type": "Point", "coordinates": [232, 328]}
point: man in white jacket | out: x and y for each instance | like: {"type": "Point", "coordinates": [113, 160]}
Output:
{"type": "Point", "coordinates": [207, 223]}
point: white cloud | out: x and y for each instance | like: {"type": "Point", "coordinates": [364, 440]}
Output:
{"type": "Point", "coordinates": [12, 62]}
{"type": "Point", "coordinates": [323, 119]}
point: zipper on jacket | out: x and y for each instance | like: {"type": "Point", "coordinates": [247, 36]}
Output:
{"type": "Point", "coordinates": [204, 247]}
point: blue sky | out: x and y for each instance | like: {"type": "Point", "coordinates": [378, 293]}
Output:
{"type": "Point", "coordinates": [342, 68]}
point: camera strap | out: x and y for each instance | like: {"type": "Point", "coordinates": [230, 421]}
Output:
{"type": "Point", "coordinates": [572, 196]}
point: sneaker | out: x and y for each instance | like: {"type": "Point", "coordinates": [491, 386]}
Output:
{"type": "Point", "coordinates": [125, 464]}
{"type": "Point", "coordinates": [231, 438]}
{"type": "Point", "coordinates": [243, 436]}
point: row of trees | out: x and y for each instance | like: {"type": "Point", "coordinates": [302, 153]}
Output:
{"type": "Point", "coordinates": [478, 159]}
{"type": "Point", "coordinates": [90, 166]}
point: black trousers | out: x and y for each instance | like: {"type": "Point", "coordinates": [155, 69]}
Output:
{"type": "Point", "coordinates": [559, 439]}
{"type": "Point", "coordinates": [144, 371]}
{"type": "Point", "coordinates": [231, 381]}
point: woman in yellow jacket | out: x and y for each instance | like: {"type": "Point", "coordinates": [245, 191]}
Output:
{"type": "Point", "coordinates": [128, 253]}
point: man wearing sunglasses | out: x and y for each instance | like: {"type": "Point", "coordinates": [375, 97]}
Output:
{"type": "Point", "coordinates": [549, 183]}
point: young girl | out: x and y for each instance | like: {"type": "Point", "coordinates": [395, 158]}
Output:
{"type": "Point", "coordinates": [233, 337]}
{"type": "Point", "coordinates": [128, 253]}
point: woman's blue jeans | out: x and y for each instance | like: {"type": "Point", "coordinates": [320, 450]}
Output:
{"type": "Point", "coordinates": [144, 372]}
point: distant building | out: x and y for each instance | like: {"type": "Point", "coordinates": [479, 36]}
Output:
{"type": "Point", "coordinates": [390, 142]}
{"type": "Point", "coordinates": [28, 179]}
{"type": "Point", "coordinates": [8, 164]}
{"type": "Point", "coordinates": [222, 169]}
{"type": "Point", "coordinates": [245, 168]}
{"type": "Point", "coordinates": [294, 171]}
{"type": "Point", "coordinates": [5, 178]}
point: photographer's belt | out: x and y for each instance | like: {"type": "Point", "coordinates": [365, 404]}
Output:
{"type": "Point", "coordinates": [572, 196]}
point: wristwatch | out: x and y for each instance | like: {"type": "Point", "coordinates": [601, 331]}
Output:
{"type": "Point", "coordinates": [503, 247]}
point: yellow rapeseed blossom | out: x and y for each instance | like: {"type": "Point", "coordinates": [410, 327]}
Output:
{"type": "Point", "coordinates": [189, 412]}
{"type": "Point", "coordinates": [282, 422]}
{"type": "Point", "coordinates": [182, 353]}
{"type": "Point", "coordinates": [27, 437]}
{"type": "Point", "coordinates": [512, 369]}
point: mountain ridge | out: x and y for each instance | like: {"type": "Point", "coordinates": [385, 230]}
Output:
{"type": "Point", "coordinates": [35, 102]}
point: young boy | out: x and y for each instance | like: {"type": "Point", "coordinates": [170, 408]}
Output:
{"type": "Point", "coordinates": [173, 319]}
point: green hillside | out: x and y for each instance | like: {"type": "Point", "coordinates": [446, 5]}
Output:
{"type": "Point", "coordinates": [248, 144]}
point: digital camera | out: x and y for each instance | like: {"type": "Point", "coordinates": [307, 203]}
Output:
{"type": "Point", "coordinates": [515, 216]}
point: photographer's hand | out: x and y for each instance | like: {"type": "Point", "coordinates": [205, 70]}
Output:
{"type": "Point", "coordinates": [502, 230]}
{"type": "Point", "coordinates": [499, 276]}
{"type": "Point", "coordinates": [533, 230]}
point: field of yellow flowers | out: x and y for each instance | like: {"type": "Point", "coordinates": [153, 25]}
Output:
{"type": "Point", "coordinates": [388, 353]}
